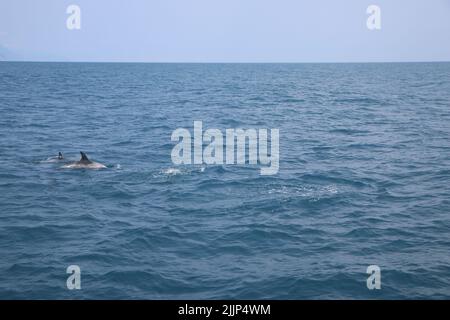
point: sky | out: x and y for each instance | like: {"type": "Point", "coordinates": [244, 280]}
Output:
{"type": "Point", "coordinates": [225, 31]}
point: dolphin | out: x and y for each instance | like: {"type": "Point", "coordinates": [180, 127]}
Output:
{"type": "Point", "coordinates": [84, 163]}
{"type": "Point", "coordinates": [57, 158]}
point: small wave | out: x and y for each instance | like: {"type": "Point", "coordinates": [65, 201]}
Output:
{"type": "Point", "coordinates": [181, 171]}
{"type": "Point", "coordinates": [359, 100]}
{"type": "Point", "coordinates": [172, 171]}
{"type": "Point", "coordinates": [349, 131]}
{"type": "Point", "coordinates": [315, 193]}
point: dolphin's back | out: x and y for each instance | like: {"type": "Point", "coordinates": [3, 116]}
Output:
{"type": "Point", "coordinates": [84, 159]}
{"type": "Point", "coordinates": [85, 163]}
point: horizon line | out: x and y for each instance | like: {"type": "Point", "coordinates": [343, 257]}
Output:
{"type": "Point", "coordinates": [227, 62]}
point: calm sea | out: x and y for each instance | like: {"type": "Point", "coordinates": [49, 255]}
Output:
{"type": "Point", "coordinates": [363, 180]}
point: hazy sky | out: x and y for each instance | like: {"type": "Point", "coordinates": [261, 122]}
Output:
{"type": "Point", "coordinates": [225, 30]}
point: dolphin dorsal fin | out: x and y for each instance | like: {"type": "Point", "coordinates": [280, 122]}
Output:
{"type": "Point", "coordinates": [83, 156]}
{"type": "Point", "coordinates": [60, 156]}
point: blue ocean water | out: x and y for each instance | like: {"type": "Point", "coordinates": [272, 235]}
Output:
{"type": "Point", "coordinates": [363, 180]}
